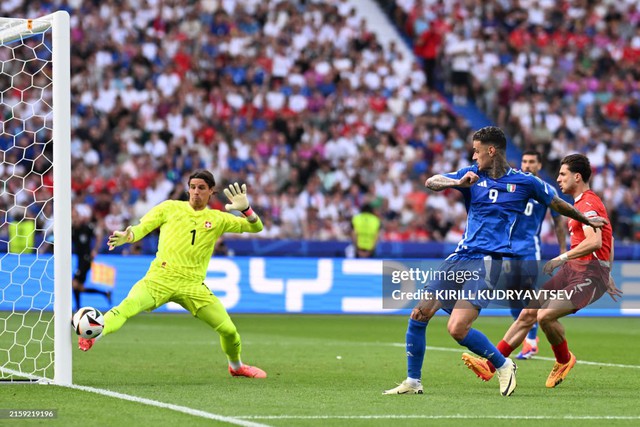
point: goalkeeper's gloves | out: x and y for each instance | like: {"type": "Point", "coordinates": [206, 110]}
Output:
{"type": "Point", "coordinates": [119, 238]}
{"type": "Point", "coordinates": [237, 195]}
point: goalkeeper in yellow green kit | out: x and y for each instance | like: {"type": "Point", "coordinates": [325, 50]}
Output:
{"type": "Point", "coordinates": [188, 234]}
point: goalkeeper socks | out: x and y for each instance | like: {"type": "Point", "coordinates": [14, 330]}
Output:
{"type": "Point", "coordinates": [231, 345]}
{"type": "Point", "coordinates": [230, 342]}
{"type": "Point", "coordinates": [217, 317]}
{"type": "Point", "coordinates": [478, 343]}
{"type": "Point", "coordinates": [139, 299]}
{"type": "Point", "coordinates": [561, 352]}
{"type": "Point", "coordinates": [533, 334]}
{"type": "Point", "coordinates": [416, 342]}
{"type": "Point", "coordinates": [113, 320]}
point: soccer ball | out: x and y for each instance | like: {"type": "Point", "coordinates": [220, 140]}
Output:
{"type": "Point", "coordinates": [88, 322]}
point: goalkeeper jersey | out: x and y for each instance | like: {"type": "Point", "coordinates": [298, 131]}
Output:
{"type": "Point", "coordinates": [187, 238]}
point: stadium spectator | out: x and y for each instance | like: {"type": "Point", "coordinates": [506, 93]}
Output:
{"type": "Point", "coordinates": [366, 229]}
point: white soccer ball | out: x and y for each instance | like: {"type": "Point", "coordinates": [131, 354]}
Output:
{"type": "Point", "coordinates": [88, 322]}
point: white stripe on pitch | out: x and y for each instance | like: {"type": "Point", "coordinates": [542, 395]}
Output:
{"type": "Point", "coordinates": [438, 417]}
{"type": "Point", "coordinates": [144, 401]}
{"type": "Point", "coordinates": [583, 362]}
{"type": "Point", "coordinates": [170, 406]}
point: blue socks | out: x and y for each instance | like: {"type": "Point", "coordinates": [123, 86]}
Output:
{"type": "Point", "coordinates": [478, 343]}
{"type": "Point", "coordinates": [416, 340]}
{"type": "Point", "coordinates": [533, 332]}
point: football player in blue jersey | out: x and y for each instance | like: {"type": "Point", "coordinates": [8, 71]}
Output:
{"type": "Point", "coordinates": [521, 270]}
{"type": "Point", "coordinates": [495, 195]}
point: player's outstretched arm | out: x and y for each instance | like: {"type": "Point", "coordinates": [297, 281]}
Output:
{"type": "Point", "coordinates": [119, 238]}
{"type": "Point", "coordinates": [441, 182]}
{"type": "Point", "coordinates": [239, 201]}
{"type": "Point", "coordinates": [564, 208]}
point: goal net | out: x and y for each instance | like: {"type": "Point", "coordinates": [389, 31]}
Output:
{"type": "Point", "coordinates": [35, 232]}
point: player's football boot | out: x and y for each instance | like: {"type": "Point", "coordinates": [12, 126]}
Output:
{"type": "Point", "coordinates": [248, 371]}
{"type": "Point", "coordinates": [560, 372]}
{"type": "Point", "coordinates": [507, 378]}
{"type": "Point", "coordinates": [528, 350]}
{"type": "Point", "coordinates": [85, 344]}
{"type": "Point", "coordinates": [405, 387]}
{"type": "Point", "coordinates": [478, 365]}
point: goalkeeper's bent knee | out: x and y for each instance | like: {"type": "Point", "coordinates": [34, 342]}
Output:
{"type": "Point", "coordinates": [227, 328]}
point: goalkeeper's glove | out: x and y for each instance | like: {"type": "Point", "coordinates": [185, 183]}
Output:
{"type": "Point", "coordinates": [237, 195]}
{"type": "Point", "coordinates": [119, 238]}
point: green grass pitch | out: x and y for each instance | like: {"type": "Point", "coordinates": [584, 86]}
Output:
{"type": "Point", "coordinates": [330, 371]}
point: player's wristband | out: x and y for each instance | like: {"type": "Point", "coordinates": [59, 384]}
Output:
{"type": "Point", "coordinates": [247, 212]}
{"type": "Point", "coordinates": [563, 257]}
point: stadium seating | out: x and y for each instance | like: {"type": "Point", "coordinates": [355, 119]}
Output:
{"type": "Point", "coordinates": [300, 100]}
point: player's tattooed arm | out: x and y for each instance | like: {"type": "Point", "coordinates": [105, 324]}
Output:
{"type": "Point", "coordinates": [441, 182]}
{"type": "Point", "coordinates": [564, 208]}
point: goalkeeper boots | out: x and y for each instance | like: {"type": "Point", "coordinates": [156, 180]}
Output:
{"type": "Point", "coordinates": [85, 344]}
{"type": "Point", "coordinates": [478, 365]}
{"type": "Point", "coordinates": [247, 371]}
{"type": "Point", "coordinates": [560, 372]}
{"type": "Point", "coordinates": [406, 387]}
{"type": "Point", "coordinates": [507, 377]}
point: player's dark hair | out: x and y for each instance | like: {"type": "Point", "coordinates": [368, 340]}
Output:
{"type": "Point", "coordinates": [491, 135]}
{"type": "Point", "coordinates": [578, 163]}
{"type": "Point", "coordinates": [204, 175]}
{"type": "Point", "coordinates": [533, 153]}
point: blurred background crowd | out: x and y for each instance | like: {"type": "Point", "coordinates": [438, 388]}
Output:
{"type": "Point", "coordinates": [301, 101]}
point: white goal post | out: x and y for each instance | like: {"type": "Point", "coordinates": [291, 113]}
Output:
{"type": "Point", "coordinates": [35, 133]}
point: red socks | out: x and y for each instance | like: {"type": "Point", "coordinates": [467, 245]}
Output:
{"type": "Point", "coordinates": [505, 348]}
{"type": "Point", "coordinates": [562, 352]}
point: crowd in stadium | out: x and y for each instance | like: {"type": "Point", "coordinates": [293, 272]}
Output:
{"type": "Point", "coordinates": [299, 100]}
{"type": "Point", "coordinates": [560, 77]}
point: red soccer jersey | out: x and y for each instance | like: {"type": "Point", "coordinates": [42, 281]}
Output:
{"type": "Point", "coordinates": [591, 206]}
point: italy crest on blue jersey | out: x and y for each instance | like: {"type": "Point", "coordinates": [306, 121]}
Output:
{"type": "Point", "coordinates": [493, 207]}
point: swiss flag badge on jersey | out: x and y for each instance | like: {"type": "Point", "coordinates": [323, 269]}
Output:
{"type": "Point", "coordinates": [207, 224]}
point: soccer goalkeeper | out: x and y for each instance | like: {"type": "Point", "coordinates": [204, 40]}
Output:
{"type": "Point", "coordinates": [188, 234]}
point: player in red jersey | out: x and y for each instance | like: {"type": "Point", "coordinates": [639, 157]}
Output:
{"type": "Point", "coordinates": [584, 269]}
